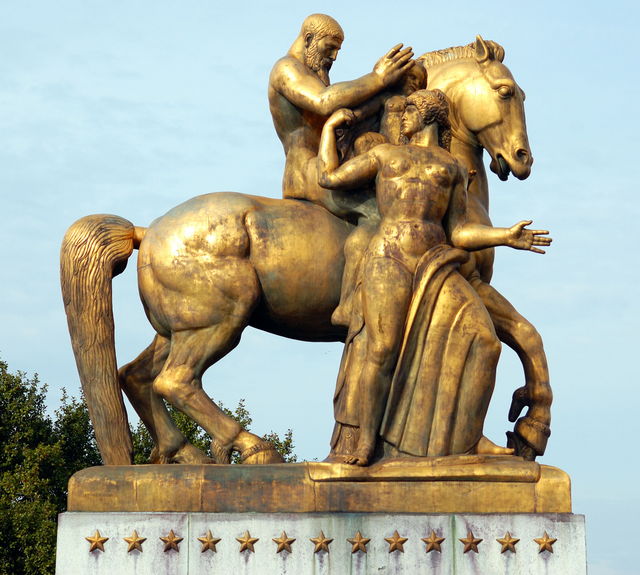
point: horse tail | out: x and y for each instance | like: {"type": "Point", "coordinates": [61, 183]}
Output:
{"type": "Point", "coordinates": [94, 250]}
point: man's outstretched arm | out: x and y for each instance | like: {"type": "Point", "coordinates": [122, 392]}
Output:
{"type": "Point", "coordinates": [305, 90]}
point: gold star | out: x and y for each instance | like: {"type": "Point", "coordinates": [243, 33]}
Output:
{"type": "Point", "coordinates": [135, 542]}
{"type": "Point", "coordinates": [209, 542]}
{"type": "Point", "coordinates": [508, 543]}
{"type": "Point", "coordinates": [321, 543]}
{"type": "Point", "coordinates": [433, 542]}
{"type": "Point", "coordinates": [97, 542]}
{"type": "Point", "coordinates": [246, 542]}
{"type": "Point", "coordinates": [546, 543]}
{"type": "Point", "coordinates": [358, 543]}
{"type": "Point", "coordinates": [284, 543]}
{"type": "Point", "coordinates": [171, 542]}
{"type": "Point", "coordinates": [396, 542]}
{"type": "Point", "coordinates": [470, 542]}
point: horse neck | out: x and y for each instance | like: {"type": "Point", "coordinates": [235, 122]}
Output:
{"type": "Point", "coordinates": [471, 157]}
{"type": "Point", "coordinates": [451, 77]}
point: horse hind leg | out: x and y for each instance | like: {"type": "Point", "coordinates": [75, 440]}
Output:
{"type": "Point", "coordinates": [136, 380]}
{"type": "Point", "coordinates": [179, 382]}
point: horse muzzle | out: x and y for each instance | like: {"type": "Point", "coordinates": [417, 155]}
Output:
{"type": "Point", "coordinates": [519, 164]}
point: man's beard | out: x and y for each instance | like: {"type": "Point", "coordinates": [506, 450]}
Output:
{"type": "Point", "coordinates": [317, 63]}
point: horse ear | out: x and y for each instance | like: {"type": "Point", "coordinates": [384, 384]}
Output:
{"type": "Point", "coordinates": [483, 53]}
{"type": "Point", "coordinates": [498, 51]}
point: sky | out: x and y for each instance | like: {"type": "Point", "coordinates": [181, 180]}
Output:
{"type": "Point", "coordinates": [131, 108]}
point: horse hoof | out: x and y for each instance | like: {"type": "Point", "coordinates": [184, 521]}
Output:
{"type": "Point", "coordinates": [533, 433]}
{"type": "Point", "coordinates": [520, 447]}
{"type": "Point", "coordinates": [185, 454]}
{"type": "Point", "coordinates": [191, 455]}
{"type": "Point", "coordinates": [519, 401]}
{"type": "Point", "coordinates": [261, 453]}
{"type": "Point", "coordinates": [220, 453]}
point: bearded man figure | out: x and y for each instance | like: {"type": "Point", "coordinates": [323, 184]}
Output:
{"type": "Point", "coordinates": [301, 98]}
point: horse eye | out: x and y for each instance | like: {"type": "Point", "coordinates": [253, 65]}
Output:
{"type": "Point", "coordinates": [505, 92]}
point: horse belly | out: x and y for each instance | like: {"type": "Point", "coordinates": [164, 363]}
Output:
{"type": "Point", "coordinates": [297, 251]}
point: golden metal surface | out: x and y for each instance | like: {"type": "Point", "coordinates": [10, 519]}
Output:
{"type": "Point", "coordinates": [470, 542]}
{"type": "Point", "coordinates": [321, 543]}
{"type": "Point", "coordinates": [383, 388]}
{"type": "Point", "coordinates": [545, 543]}
{"type": "Point", "coordinates": [291, 488]}
{"type": "Point", "coordinates": [486, 468]}
{"type": "Point", "coordinates": [433, 542]}
{"type": "Point", "coordinates": [421, 323]}
{"type": "Point", "coordinates": [209, 542]}
{"type": "Point", "coordinates": [247, 542]}
{"type": "Point", "coordinates": [283, 543]}
{"type": "Point", "coordinates": [301, 98]}
{"type": "Point", "coordinates": [134, 542]}
{"type": "Point", "coordinates": [358, 543]}
{"type": "Point", "coordinates": [97, 542]}
{"type": "Point", "coordinates": [396, 542]}
{"type": "Point", "coordinates": [171, 542]}
{"type": "Point", "coordinates": [508, 543]}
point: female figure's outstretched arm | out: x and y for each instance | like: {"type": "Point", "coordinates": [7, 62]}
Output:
{"type": "Point", "coordinates": [471, 236]}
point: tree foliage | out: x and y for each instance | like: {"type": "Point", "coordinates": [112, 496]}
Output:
{"type": "Point", "coordinates": [38, 455]}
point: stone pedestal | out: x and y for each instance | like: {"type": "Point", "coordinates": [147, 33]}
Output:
{"type": "Point", "coordinates": [452, 515]}
{"type": "Point", "coordinates": [298, 535]}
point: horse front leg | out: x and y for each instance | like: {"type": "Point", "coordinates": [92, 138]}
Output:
{"type": "Point", "coordinates": [531, 432]}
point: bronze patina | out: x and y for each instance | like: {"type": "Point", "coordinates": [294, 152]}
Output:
{"type": "Point", "coordinates": [384, 173]}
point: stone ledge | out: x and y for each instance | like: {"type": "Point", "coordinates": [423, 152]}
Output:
{"type": "Point", "coordinates": [456, 485]}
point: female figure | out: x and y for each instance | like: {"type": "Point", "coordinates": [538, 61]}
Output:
{"type": "Point", "coordinates": [421, 197]}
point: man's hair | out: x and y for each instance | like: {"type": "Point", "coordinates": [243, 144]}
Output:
{"type": "Point", "coordinates": [321, 25]}
{"type": "Point", "coordinates": [433, 107]}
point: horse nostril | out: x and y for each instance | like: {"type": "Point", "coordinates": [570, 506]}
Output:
{"type": "Point", "coordinates": [522, 154]}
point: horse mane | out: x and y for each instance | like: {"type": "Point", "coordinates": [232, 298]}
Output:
{"type": "Point", "coordinates": [459, 52]}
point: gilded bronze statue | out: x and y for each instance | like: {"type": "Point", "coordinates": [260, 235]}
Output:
{"type": "Point", "coordinates": [482, 93]}
{"type": "Point", "coordinates": [220, 262]}
{"type": "Point", "coordinates": [421, 195]}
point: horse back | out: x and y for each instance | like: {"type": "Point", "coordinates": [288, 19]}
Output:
{"type": "Point", "coordinates": [283, 258]}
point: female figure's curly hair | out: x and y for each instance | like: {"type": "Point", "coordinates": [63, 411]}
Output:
{"type": "Point", "coordinates": [433, 107]}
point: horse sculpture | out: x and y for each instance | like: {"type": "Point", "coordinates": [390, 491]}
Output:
{"type": "Point", "coordinates": [220, 262]}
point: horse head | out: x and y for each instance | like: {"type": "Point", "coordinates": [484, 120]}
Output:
{"type": "Point", "coordinates": [487, 105]}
